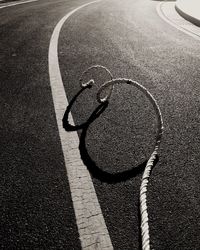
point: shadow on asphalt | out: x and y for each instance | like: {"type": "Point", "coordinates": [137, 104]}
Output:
{"type": "Point", "coordinates": [92, 167]}
{"type": "Point", "coordinates": [66, 125]}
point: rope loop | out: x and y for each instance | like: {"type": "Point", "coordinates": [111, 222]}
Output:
{"type": "Point", "coordinates": [91, 82]}
{"type": "Point", "coordinates": [147, 171]}
{"type": "Point", "coordinates": [109, 85]}
{"type": "Point", "coordinates": [141, 88]}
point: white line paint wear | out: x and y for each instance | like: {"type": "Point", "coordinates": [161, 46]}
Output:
{"type": "Point", "coordinates": [13, 4]}
{"type": "Point", "coordinates": [91, 225]}
{"type": "Point", "coordinates": [177, 18]}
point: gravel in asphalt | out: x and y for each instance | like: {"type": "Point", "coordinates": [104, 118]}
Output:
{"type": "Point", "coordinates": [133, 42]}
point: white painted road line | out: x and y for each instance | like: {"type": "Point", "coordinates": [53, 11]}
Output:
{"type": "Point", "coordinates": [91, 225]}
{"type": "Point", "coordinates": [13, 4]}
{"type": "Point", "coordinates": [166, 10]}
{"type": "Point", "coordinates": [16, 3]}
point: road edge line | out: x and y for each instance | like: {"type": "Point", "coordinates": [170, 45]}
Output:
{"type": "Point", "coordinates": [13, 4]}
{"type": "Point", "coordinates": [92, 229]}
{"type": "Point", "coordinates": [166, 19]}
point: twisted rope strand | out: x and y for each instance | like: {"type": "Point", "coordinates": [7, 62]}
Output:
{"type": "Point", "coordinates": [147, 171]}
{"type": "Point", "coordinates": [146, 175]}
{"type": "Point", "coordinates": [91, 82]}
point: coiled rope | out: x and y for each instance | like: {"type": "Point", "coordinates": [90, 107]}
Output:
{"type": "Point", "coordinates": [147, 171]}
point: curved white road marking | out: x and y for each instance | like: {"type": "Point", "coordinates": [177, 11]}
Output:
{"type": "Point", "coordinates": [166, 10]}
{"type": "Point", "coordinates": [13, 4]}
{"type": "Point", "coordinates": [91, 225]}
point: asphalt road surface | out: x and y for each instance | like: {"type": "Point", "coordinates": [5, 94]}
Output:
{"type": "Point", "coordinates": [131, 40]}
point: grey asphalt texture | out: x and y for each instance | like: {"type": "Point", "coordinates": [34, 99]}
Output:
{"type": "Point", "coordinates": [133, 42]}
{"type": "Point", "coordinates": [36, 207]}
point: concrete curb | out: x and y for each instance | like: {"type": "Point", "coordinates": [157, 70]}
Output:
{"type": "Point", "coordinates": [189, 15]}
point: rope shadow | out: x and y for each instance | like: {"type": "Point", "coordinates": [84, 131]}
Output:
{"type": "Point", "coordinates": [66, 125]}
{"type": "Point", "coordinates": [91, 165]}
{"type": "Point", "coordinates": [102, 175]}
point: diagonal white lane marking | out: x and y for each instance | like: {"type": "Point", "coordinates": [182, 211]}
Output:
{"type": "Point", "coordinates": [13, 4]}
{"type": "Point", "coordinates": [166, 10]}
{"type": "Point", "coordinates": [91, 225]}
